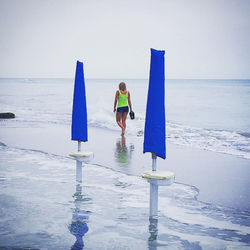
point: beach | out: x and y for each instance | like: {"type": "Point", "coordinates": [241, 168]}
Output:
{"type": "Point", "coordinates": [39, 185]}
{"type": "Point", "coordinates": [73, 174]}
{"type": "Point", "coordinates": [220, 179]}
{"type": "Point", "coordinates": [44, 207]}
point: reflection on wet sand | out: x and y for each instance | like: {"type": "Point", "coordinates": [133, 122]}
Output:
{"type": "Point", "coordinates": [123, 154]}
{"type": "Point", "coordinates": [153, 230]}
{"type": "Point", "coordinates": [80, 217]}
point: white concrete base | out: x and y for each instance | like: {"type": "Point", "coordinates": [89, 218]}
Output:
{"type": "Point", "coordinates": [159, 178]}
{"type": "Point", "coordinates": [82, 156]}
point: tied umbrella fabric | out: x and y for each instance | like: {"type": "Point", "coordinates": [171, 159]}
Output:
{"type": "Point", "coordinates": [79, 127]}
{"type": "Point", "coordinates": [155, 128]}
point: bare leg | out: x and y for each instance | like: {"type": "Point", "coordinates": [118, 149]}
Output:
{"type": "Point", "coordinates": [118, 120]}
{"type": "Point", "coordinates": [124, 117]}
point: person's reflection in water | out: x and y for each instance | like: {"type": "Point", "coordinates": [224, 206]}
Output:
{"type": "Point", "coordinates": [123, 154]}
{"type": "Point", "coordinates": [80, 217]}
{"type": "Point", "coordinates": [153, 230]}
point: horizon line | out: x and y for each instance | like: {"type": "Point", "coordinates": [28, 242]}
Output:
{"type": "Point", "coordinates": [98, 78]}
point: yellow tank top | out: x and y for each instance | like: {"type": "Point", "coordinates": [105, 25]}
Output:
{"type": "Point", "coordinates": [122, 100]}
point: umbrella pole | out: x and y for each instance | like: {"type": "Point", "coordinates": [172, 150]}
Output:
{"type": "Point", "coordinates": [79, 146]}
{"type": "Point", "coordinates": [154, 156]}
{"type": "Point", "coordinates": [153, 200]}
{"type": "Point", "coordinates": [153, 191]}
{"type": "Point", "coordinates": [79, 166]}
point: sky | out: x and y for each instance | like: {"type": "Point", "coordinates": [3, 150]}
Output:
{"type": "Point", "coordinates": [201, 38]}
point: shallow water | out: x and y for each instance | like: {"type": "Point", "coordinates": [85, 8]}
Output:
{"type": "Point", "coordinates": [42, 206]}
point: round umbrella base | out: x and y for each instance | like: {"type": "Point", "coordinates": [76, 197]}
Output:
{"type": "Point", "coordinates": [82, 156]}
{"type": "Point", "coordinates": [159, 178]}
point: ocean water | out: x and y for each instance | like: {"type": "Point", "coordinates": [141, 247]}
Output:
{"type": "Point", "coordinates": [42, 207]}
{"type": "Point", "coordinates": [207, 114]}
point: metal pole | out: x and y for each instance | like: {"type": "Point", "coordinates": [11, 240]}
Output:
{"type": "Point", "coordinates": [79, 166]}
{"type": "Point", "coordinates": [154, 161]}
{"type": "Point", "coordinates": [153, 200]}
{"type": "Point", "coordinates": [79, 146]}
{"type": "Point", "coordinates": [153, 191]}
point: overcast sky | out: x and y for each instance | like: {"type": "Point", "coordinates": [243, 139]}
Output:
{"type": "Point", "coordinates": [202, 38]}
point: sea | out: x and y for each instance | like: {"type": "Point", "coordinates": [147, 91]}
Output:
{"type": "Point", "coordinates": [207, 114]}
{"type": "Point", "coordinates": [111, 210]}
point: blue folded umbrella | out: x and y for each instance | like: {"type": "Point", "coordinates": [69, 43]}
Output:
{"type": "Point", "coordinates": [155, 127]}
{"type": "Point", "coordinates": [79, 127]}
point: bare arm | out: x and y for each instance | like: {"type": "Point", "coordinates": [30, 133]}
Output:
{"type": "Point", "coordinates": [129, 102]}
{"type": "Point", "coordinates": [116, 98]}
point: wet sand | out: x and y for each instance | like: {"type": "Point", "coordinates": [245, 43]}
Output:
{"type": "Point", "coordinates": [220, 178]}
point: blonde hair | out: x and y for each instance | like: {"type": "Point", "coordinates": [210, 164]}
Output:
{"type": "Point", "coordinates": [122, 86]}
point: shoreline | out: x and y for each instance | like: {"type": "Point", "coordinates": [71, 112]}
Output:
{"type": "Point", "coordinates": [220, 178]}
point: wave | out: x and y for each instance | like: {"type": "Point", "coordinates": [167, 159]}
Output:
{"type": "Point", "coordinates": [222, 141]}
{"type": "Point", "coordinates": [228, 142]}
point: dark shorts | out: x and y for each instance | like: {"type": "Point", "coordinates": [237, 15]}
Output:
{"type": "Point", "coordinates": [122, 110]}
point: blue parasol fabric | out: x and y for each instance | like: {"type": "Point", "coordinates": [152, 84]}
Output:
{"type": "Point", "coordinates": [79, 127]}
{"type": "Point", "coordinates": [155, 130]}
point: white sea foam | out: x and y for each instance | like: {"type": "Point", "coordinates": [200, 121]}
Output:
{"type": "Point", "coordinates": [227, 142]}
{"type": "Point", "coordinates": [214, 140]}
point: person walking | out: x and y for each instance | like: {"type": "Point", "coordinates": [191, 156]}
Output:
{"type": "Point", "coordinates": [122, 97]}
